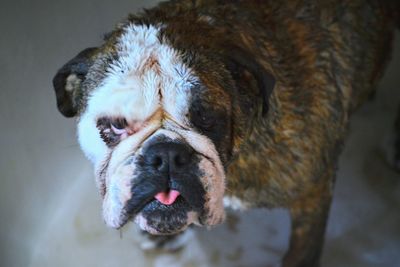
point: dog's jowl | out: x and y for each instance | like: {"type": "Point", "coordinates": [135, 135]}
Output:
{"type": "Point", "coordinates": [195, 104]}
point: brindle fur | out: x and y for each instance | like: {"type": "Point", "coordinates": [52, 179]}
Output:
{"type": "Point", "coordinates": [326, 57]}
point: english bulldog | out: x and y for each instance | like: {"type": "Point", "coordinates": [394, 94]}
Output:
{"type": "Point", "coordinates": [195, 105]}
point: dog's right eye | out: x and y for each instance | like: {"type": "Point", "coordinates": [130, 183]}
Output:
{"type": "Point", "coordinates": [112, 130]}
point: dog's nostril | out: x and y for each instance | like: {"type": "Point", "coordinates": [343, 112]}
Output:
{"type": "Point", "coordinates": [157, 162]}
{"type": "Point", "coordinates": [181, 160]}
{"type": "Point", "coordinates": [168, 157]}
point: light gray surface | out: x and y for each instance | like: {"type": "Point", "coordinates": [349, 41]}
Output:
{"type": "Point", "coordinates": [50, 210]}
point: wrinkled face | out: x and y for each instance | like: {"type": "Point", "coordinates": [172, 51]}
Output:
{"type": "Point", "coordinates": [156, 137]}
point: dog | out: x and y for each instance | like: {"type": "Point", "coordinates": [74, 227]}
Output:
{"type": "Point", "coordinates": [192, 106]}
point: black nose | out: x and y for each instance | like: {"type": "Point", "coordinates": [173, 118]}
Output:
{"type": "Point", "coordinates": [169, 157]}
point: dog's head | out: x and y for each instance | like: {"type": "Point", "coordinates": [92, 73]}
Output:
{"type": "Point", "coordinates": [160, 125]}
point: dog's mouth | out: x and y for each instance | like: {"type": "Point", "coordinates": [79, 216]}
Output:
{"type": "Point", "coordinates": [165, 218]}
{"type": "Point", "coordinates": [164, 188]}
{"type": "Point", "coordinates": [161, 209]}
{"type": "Point", "coordinates": [167, 212]}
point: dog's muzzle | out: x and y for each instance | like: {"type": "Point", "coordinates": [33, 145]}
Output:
{"type": "Point", "coordinates": [167, 188]}
{"type": "Point", "coordinates": [164, 183]}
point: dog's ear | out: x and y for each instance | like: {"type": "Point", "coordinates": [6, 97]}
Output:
{"type": "Point", "coordinates": [240, 64]}
{"type": "Point", "coordinates": [67, 82]}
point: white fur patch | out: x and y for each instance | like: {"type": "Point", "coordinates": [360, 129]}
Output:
{"type": "Point", "coordinates": [72, 82]}
{"type": "Point", "coordinates": [235, 203]}
{"type": "Point", "coordinates": [146, 77]}
{"type": "Point", "coordinates": [192, 218]}
{"type": "Point", "coordinates": [118, 186]}
{"type": "Point", "coordinates": [89, 139]}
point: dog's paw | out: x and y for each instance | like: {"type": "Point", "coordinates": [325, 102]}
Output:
{"type": "Point", "coordinates": [169, 243]}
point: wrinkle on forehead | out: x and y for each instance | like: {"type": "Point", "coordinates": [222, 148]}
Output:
{"type": "Point", "coordinates": [130, 146]}
{"type": "Point", "coordinates": [146, 75]}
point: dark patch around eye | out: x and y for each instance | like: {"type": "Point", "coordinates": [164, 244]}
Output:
{"type": "Point", "coordinates": [104, 125]}
{"type": "Point", "coordinates": [211, 122]}
{"type": "Point", "coordinates": [202, 119]}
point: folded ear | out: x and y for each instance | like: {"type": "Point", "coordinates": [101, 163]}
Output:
{"type": "Point", "coordinates": [67, 82]}
{"type": "Point", "coordinates": [241, 64]}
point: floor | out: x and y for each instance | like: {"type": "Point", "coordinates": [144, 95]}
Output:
{"type": "Point", "coordinates": [42, 167]}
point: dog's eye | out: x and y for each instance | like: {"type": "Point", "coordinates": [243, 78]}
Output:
{"type": "Point", "coordinates": [117, 130]}
{"type": "Point", "coordinates": [204, 120]}
{"type": "Point", "coordinates": [112, 130]}
{"type": "Point", "coordinates": [118, 126]}
{"type": "Point", "coordinates": [207, 122]}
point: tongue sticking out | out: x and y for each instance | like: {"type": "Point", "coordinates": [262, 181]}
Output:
{"type": "Point", "coordinates": [167, 198]}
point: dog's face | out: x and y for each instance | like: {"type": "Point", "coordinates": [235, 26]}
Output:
{"type": "Point", "coordinates": [159, 131]}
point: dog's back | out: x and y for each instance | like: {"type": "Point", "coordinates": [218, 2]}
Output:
{"type": "Point", "coordinates": [353, 37]}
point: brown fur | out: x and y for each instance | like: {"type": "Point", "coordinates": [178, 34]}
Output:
{"type": "Point", "coordinates": [326, 56]}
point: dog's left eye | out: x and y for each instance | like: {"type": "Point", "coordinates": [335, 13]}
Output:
{"type": "Point", "coordinates": [207, 122]}
{"type": "Point", "coordinates": [204, 120]}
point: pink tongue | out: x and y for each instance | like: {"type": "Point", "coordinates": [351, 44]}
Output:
{"type": "Point", "coordinates": [167, 198]}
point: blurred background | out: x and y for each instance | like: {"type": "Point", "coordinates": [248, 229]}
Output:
{"type": "Point", "coordinates": [49, 205]}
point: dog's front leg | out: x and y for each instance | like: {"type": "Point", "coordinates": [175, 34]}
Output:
{"type": "Point", "coordinates": [309, 216]}
{"type": "Point", "coordinates": [166, 243]}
